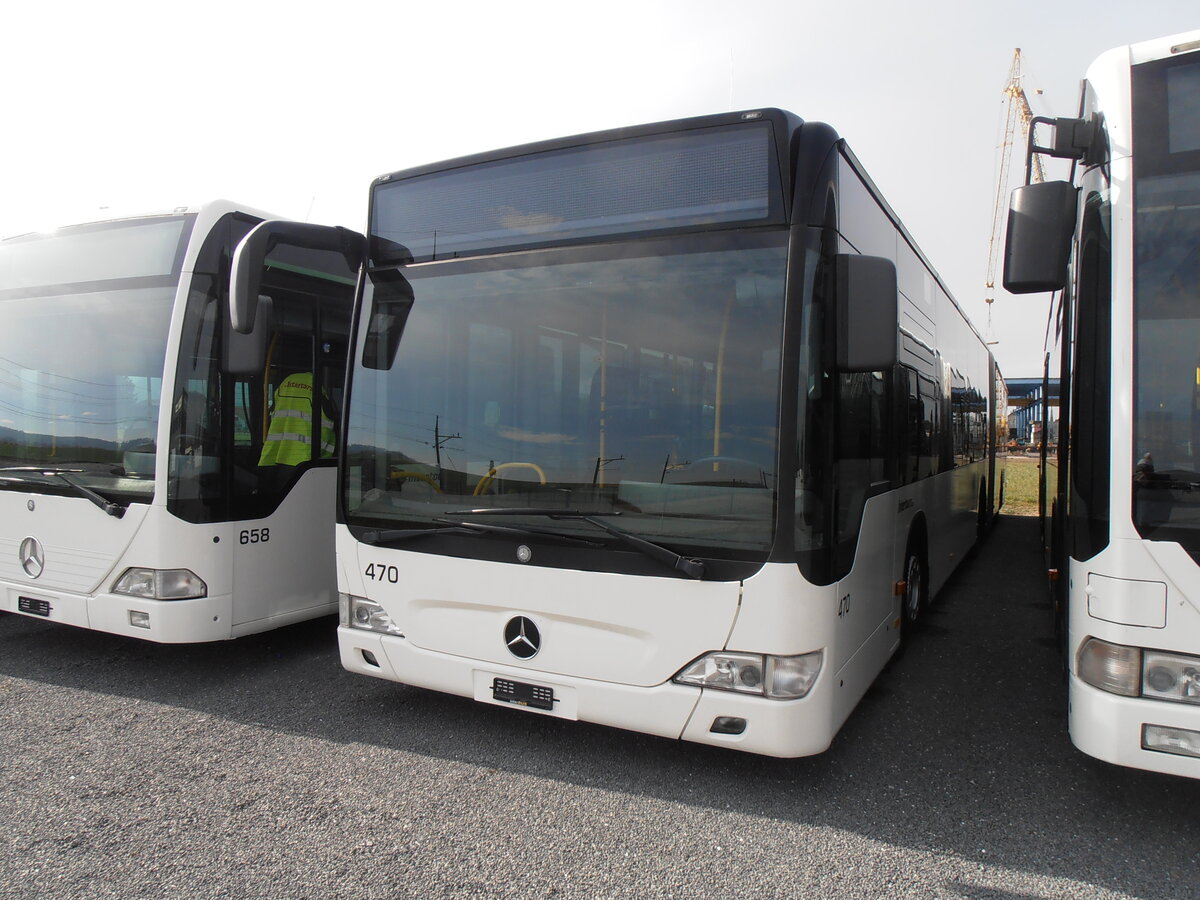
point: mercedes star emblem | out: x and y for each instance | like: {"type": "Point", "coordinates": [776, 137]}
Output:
{"type": "Point", "coordinates": [523, 638]}
{"type": "Point", "coordinates": [33, 560]}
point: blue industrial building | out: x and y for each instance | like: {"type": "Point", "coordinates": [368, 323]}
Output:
{"type": "Point", "coordinates": [1028, 399]}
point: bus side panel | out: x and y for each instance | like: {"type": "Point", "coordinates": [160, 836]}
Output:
{"type": "Point", "coordinates": [867, 612]}
{"type": "Point", "coordinates": [852, 622]}
{"type": "Point", "coordinates": [952, 516]}
{"type": "Point", "coordinates": [283, 565]}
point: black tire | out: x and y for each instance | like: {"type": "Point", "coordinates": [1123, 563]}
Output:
{"type": "Point", "coordinates": [914, 600]}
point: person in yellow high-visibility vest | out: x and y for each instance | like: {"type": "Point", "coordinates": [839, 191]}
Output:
{"type": "Point", "coordinates": [290, 436]}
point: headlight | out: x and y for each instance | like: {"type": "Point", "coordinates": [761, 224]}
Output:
{"type": "Point", "coordinates": [1169, 676]}
{"type": "Point", "coordinates": [161, 584]}
{"type": "Point", "coordinates": [359, 612]}
{"type": "Point", "coordinates": [1110, 667]}
{"type": "Point", "coordinates": [777, 677]}
{"type": "Point", "coordinates": [1167, 739]}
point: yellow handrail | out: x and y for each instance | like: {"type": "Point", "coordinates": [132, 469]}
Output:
{"type": "Point", "coordinates": [486, 481]}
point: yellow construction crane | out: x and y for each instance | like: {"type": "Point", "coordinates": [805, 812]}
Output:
{"type": "Point", "coordinates": [1017, 111]}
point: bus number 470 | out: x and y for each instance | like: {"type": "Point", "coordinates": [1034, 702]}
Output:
{"type": "Point", "coordinates": [390, 574]}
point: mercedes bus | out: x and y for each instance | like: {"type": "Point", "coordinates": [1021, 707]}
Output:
{"type": "Point", "coordinates": [1120, 240]}
{"type": "Point", "coordinates": [141, 492]}
{"type": "Point", "coordinates": [671, 428]}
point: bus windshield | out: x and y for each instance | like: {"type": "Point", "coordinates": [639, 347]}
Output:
{"type": "Point", "coordinates": [639, 379]}
{"type": "Point", "coordinates": [85, 315]}
{"type": "Point", "coordinates": [1167, 311]}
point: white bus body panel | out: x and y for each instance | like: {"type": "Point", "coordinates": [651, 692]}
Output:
{"type": "Point", "coordinates": [80, 541]}
{"type": "Point", "coordinates": [252, 587]}
{"type": "Point", "coordinates": [292, 576]}
{"type": "Point", "coordinates": [634, 630]}
{"type": "Point", "coordinates": [611, 643]}
{"type": "Point", "coordinates": [1157, 582]}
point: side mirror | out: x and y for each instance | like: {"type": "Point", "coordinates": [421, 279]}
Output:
{"type": "Point", "coordinates": [867, 313]}
{"type": "Point", "coordinates": [246, 354]}
{"type": "Point", "coordinates": [392, 301]}
{"type": "Point", "coordinates": [1037, 248]}
{"type": "Point", "coordinates": [251, 255]}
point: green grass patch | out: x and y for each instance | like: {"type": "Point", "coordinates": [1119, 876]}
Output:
{"type": "Point", "coordinates": [1021, 486]}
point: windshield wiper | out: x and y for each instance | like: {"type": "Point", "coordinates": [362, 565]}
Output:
{"type": "Point", "coordinates": [692, 568]}
{"type": "Point", "coordinates": [117, 510]}
{"type": "Point", "coordinates": [388, 535]}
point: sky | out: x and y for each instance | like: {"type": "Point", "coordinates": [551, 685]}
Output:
{"type": "Point", "coordinates": [294, 107]}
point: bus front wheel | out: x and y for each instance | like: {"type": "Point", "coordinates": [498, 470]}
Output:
{"type": "Point", "coordinates": [913, 600]}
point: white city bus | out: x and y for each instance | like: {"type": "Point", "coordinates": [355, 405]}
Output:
{"type": "Point", "coordinates": [669, 428]}
{"type": "Point", "coordinates": [135, 496]}
{"type": "Point", "coordinates": [1122, 237]}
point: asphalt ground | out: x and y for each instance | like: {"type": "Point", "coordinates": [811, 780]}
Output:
{"type": "Point", "coordinates": [259, 768]}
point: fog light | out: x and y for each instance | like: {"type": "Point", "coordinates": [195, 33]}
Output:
{"type": "Point", "coordinates": [369, 658]}
{"type": "Point", "coordinates": [1179, 741]}
{"type": "Point", "coordinates": [1110, 667]}
{"type": "Point", "coordinates": [139, 619]}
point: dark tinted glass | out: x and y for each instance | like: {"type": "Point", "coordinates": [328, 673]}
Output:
{"type": "Point", "coordinates": [1183, 108]}
{"type": "Point", "coordinates": [639, 380]}
{"type": "Point", "coordinates": [1166, 281]}
{"type": "Point", "coordinates": [683, 180]}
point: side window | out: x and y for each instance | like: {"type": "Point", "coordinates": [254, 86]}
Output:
{"type": "Point", "coordinates": [861, 447]}
{"type": "Point", "coordinates": [913, 426]}
{"type": "Point", "coordinates": [931, 426]}
{"type": "Point", "coordinates": [194, 457]}
{"type": "Point", "coordinates": [292, 433]}
{"type": "Point", "coordinates": [814, 446]}
{"type": "Point", "coordinates": [959, 402]}
{"type": "Point", "coordinates": [292, 411]}
{"type": "Point", "coordinates": [1089, 506]}
{"type": "Point", "coordinates": [863, 222]}
{"type": "Point", "coordinates": [199, 461]}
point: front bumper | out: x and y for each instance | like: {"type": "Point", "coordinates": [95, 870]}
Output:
{"type": "Point", "coordinates": [169, 621]}
{"type": "Point", "coordinates": [783, 728]}
{"type": "Point", "coordinates": [1109, 727]}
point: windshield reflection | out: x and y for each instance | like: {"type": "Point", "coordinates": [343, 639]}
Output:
{"type": "Point", "coordinates": [84, 315]}
{"type": "Point", "coordinates": [80, 383]}
{"type": "Point", "coordinates": [644, 385]}
{"type": "Point", "coordinates": [1167, 422]}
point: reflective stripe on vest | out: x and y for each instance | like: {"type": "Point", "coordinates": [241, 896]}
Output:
{"type": "Point", "coordinates": [285, 445]}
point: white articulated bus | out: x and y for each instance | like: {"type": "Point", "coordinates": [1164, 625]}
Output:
{"type": "Point", "coordinates": [670, 428]}
{"type": "Point", "coordinates": [142, 488]}
{"type": "Point", "coordinates": [1122, 237]}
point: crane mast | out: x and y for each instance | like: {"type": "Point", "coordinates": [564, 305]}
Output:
{"type": "Point", "coordinates": [1017, 113]}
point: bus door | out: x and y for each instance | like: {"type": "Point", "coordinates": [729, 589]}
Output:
{"type": "Point", "coordinates": [287, 400]}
